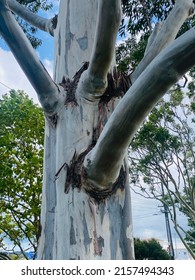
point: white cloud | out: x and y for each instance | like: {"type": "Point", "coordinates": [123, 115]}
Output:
{"type": "Point", "coordinates": [149, 221]}
{"type": "Point", "coordinates": [12, 76]}
{"type": "Point", "coordinates": [49, 66]}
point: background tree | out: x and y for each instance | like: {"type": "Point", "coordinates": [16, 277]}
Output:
{"type": "Point", "coordinates": [162, 160]}
{"type": "Point", "coordinates": [129, 54]}
{"type": "Point", "coordinates": [21, 156]}
{"type": "Point", "coordinates": [92, 113]}
{"type": "Point", "coordinates": [149, 250]}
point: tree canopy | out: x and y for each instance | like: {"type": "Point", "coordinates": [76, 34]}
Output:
{"type": "Point", "coordinates": [21, 160]}
{"type": "Point", "coordinates": [149, 250]}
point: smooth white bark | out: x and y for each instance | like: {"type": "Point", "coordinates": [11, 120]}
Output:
{"type": "Point", "coordinates": [74, 36]}
{"type": "Point", "coordinates": [153, 36]}
{"type": "Point", "coordinates": [95, 78]}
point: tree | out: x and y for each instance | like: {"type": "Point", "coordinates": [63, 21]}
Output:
{"type": "Point", "coordinates": [21, 156]}
{"type": "Point", "coordinates": [149, 250]}
{"type": "Point", "coordinates": [162, 160]}
{"type": "Point", "coordinates": [86, 206]}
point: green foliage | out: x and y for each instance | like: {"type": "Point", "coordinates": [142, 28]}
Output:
{"type": "Point", "coordinates": [191, 93]}
{"type": "Point", "coordinates": [130, 53]}
{"type": "Point", "coordinates": [143, 15]}
{"type": "Point", "coordinates": [21, 157]}
{"type": "Point", "coordinates": [149, 250]}
{"type": "Point", "coordinates": [190, 235]}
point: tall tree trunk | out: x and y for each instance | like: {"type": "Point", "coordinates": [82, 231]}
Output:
{"type": "Point", "coordinates": [74, 224]}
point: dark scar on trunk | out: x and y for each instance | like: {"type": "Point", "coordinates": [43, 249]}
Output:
{"type": "Point", "coordinates": [70, 86]}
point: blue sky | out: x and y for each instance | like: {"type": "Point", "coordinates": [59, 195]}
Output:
{"type": "Point", "coordinates": [148, 220]}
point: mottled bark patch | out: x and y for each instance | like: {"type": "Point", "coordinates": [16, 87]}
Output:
{"type": "Point", "coordinates": [87, 239]}
{"type": "Point", "coordinates": [77, 176]}
{"type": "Point", "coordinates": [74, 171]}
{"type": "Point", "coordinates": [115, 219]}
{"type": "Point", "coordinates": [100, 242]}
{"type": "Point", "coordinates": [83, 42]}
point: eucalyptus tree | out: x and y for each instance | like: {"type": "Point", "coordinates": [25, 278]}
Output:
{"type": "Point", "coordinates": [162, 161]}
{"type": "Point", "coordinates": [92, 113]}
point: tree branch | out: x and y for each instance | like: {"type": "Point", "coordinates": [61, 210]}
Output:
{"type": "Point", "coordinates": [177, 227]}
{"type": "Point", "coordinates": [47, 90]}
{"type": "Point", "coordinates": [94, 81]}
{"type": "Point", "coordinates": [103, 163]}
{"type": "Point", "coordinates": [167, 33]}
{"type": "Point", "coordinates": [37, 21]}
{"type": "Point", "coordinates": [153, 36]}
